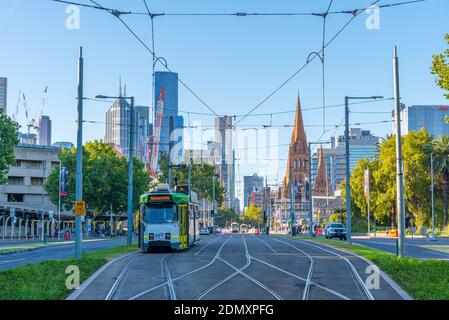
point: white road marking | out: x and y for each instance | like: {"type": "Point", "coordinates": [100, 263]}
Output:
{"type": "Point", "coordinates": [10, 261]}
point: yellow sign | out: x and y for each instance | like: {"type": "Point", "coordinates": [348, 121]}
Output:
{"type": "Point", "coordinates": [80, 208]}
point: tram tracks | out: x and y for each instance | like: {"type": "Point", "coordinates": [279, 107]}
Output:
{"type": "Point", "coordinates": [358, 279]}
{"type": "Point", "coordinates": [169, 282]}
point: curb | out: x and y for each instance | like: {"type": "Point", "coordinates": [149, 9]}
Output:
{"type": "Point", "coordinates": [19, 251]}
{"type": "Point", "coordinates": [404, 295]}
{"type": "Point", "coordinates": [77, 292]}
{"type": "Point", "coordinates": [5, 253]}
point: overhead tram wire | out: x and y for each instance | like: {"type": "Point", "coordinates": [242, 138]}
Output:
{"type": "Point", "coordinates": [117, 14]}
{"type": "Point", "coordinates": [237, 14]}
{"type": "Point", "coordinates": [308, 61]}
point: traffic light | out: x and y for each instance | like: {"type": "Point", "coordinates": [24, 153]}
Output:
{"type": "Point", "coordinates": [90, 214]}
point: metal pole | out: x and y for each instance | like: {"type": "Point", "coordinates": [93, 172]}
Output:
{"type": "Point", "coordinates": [59, 204]}
{"type": "Point", "coordinates": [369, 222]}
{"type": "Point", "coordinates": [130, 173]}
{"type": "Point", "coordinates": [310, 192]}
{"type": "Point", "coordinates": [433, 189]}
{"type": "Point", "coordinates": [348, 172]}
{"type": "Point", "coordinates": [213, 201]}
{"type": "Point", "coordinates": [170, 146]}
{"type": "Point", "coordinates": [79, 156]}
{"type": "Point", "coordinates": [292, 205]}
{"type": "Point", "coordinates": [399, 173]}
{"type": "Point", "coordinates": [190, 199]}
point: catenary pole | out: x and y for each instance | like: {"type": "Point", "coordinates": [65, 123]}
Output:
{"type": "Point", "coordinates": [399, 171]}
{"type": "Point", "coordinates": [79, 156]}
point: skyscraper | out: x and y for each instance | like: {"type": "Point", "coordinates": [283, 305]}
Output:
{"type": "Point", "coordinates": [143, 132]}
{"type": "Point", "coordinates": [45, 131]}
{"type": "Point", "coordinates": [3, 94]}
{"type": "Point", "coordinates": [223, 140]}
{"type": "Point", "coordinates": [251, 185]}
{"type": "Point", "coordinates": [168, 81]}
{"type": "Point", "coordinates": [429, 117]}
{"type": "Point", "coordinates": [117, 126]}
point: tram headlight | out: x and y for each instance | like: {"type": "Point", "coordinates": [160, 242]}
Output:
{"type": "Point", "coordinates": [151, 236]}
{"type": "Point", "coordinates": [167, 236]}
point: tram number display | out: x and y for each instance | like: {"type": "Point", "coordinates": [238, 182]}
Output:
{"type": "Point", "coordinates": [159, 236]}
{"type": "Point", "coordinates": [160, 198]}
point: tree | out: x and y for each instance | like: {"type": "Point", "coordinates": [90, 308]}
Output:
{"type": "Point", "coordinates": [225, 216]}
{"type": "Point", "coordinates": [9, 138]}
{"type": "Point", "coordinates": [441, 165]}
{"type": "Point", "coordinates": [440, 68]}
{"type": "Point", "coordinates": [253, 216]}
{"type": "Point", "coordinates": [201, 177]}
{"type": "Point", "coordinates": [105, 178]}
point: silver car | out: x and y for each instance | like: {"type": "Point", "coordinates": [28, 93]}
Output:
{"type": "Point", "coordinates": [335, 230]}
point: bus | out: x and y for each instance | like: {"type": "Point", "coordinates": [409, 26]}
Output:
{"type": "Point", "coordinates": [168, 219]}
{"type": "Point", "coordinates": [235, 227]}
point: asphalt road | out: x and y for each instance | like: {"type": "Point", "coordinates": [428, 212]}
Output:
{"type": "Point", "coordinates": [239, 267]}
{"type": "Point", "coordinates": [413, 247]}
{"type": "Point", "coordinates": [56, 252]}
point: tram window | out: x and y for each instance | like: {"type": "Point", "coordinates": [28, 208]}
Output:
{"type": "Point", "coordinates": [160, 214]}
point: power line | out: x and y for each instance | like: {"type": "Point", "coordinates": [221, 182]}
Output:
{"type": "Point", "coordinates": [235, 14]}
{"type": "Point", "coordinates": [305, 65]}
{"type": "Point", "coordinates": [117, 14]}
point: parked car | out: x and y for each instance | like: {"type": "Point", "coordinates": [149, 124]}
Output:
{"type": "Point", "coordinates": [204, 232]}
{"type": "Point", "coordinates": [335, 230]}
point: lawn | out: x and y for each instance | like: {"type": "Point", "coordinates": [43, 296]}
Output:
{"type": "Point", "coordinates": [46, 280]}
{"type": "Point", "coordinates": [422, 279]}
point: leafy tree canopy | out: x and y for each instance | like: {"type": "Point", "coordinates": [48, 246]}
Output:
{"type": "Point", "coordinates": [8, 139]}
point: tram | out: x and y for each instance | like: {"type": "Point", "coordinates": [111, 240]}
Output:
{"type": "Point", "coordinates": [169, 218]}
{"type": "Point", "coordinates": [235, 227]}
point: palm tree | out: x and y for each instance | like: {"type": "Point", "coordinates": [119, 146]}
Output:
{"type": "Point", "coordinates": [441, 165]}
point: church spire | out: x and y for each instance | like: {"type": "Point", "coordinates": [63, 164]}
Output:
{"type": "Point", "coordinates": [321, 186]}
{"type": "Point", "coordinates": [298, 131]}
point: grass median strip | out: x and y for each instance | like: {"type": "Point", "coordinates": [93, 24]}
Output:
{"type": "Point", "coordinates": [422, 279]}
{"type": "Point", "coordinates": [47, 280]}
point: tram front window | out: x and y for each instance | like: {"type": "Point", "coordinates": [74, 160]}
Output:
{"type": "Point", "coordinates": [161, 214]}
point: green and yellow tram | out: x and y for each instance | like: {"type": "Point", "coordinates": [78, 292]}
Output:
{"type": "Point", "coordinates": [169, 218]}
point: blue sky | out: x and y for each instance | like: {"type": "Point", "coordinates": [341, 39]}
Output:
{"type": "Point", "coordinates": [231, 62]}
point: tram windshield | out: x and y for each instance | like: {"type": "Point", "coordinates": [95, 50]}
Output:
{"type": "Point", "coordinates": [161, 214]}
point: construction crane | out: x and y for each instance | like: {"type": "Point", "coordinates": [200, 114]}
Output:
{"type": "Point", "coordinates": [34, 122]}
{"type": "Point", "coordinates": [16, 111]}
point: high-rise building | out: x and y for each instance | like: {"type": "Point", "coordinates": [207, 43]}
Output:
{"type": "Point", "coordinates": [362, 144]}
{"type": "Point", "coordinates": [45, 131]}
{"type": "Point", "coordinates": [223, 139]}
{"type": "Point", "coordinates": [143, 132]}
{"type": "Point", "coordinates": [429, 117]}
{"type": "Point", "coordinates": [118, 125]}
{"type": "Point", "coordinates": [64, 145]}
{"type": "Point", "coordinates": [252, 186]}
{"type": "Point", "coordinates": [168, 81]}
{"type": "Point", "coordinates": [3, 94]}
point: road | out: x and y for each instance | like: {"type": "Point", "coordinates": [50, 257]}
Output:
{"type": "Point", "coordinates": [414, 248]}
{"type": "Point", "coordinates": [56, 252]}
{"type": "Point", "coordinates": [239, 267]}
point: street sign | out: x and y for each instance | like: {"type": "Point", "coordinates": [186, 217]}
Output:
{"type": "Point", "coordinates": [51, 214]}
{"type": "Point", "coordinates": [80, 208]}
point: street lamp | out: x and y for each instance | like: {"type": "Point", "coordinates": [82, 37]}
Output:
{"type": "Point", "coordinates": [130, 163]}
{"type": "Point", "coordinates": [347, 163]}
